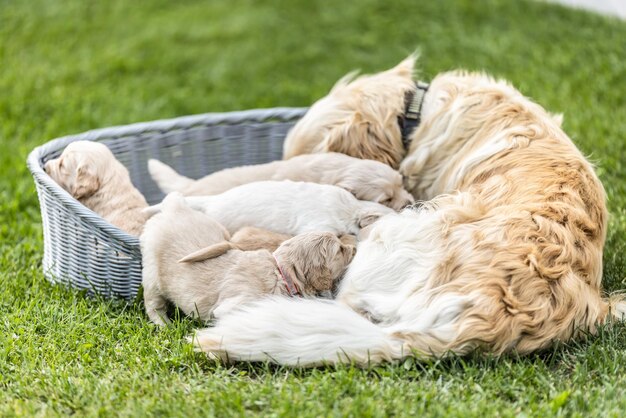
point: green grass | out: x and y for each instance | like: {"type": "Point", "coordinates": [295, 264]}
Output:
{"type": "Point", "coordinates": [70, 65]}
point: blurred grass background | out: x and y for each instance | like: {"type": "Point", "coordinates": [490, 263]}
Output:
{"type": "Point", "coordinates": [70, 65]}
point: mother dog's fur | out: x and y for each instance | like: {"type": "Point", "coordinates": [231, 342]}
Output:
{"type": "Point", "coordinates": [505, 256]}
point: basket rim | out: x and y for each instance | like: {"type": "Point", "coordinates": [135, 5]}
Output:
{"type": "Point", "coordinates": [34, 160]}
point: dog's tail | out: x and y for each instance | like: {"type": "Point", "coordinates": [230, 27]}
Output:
{"type": "Point", "coordinates": [211, 251]}
{"type": "Point", "coordinates": [301, 333]}
{"type": "Point", "coordinates": [167, 178]}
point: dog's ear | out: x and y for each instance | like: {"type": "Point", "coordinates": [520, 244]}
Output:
{"type": "Point", "coordinates": [364, 137]}
{"type": "Point", "coordinates": [407, 66]}
{"type": "Point", "coordinates": [348, 239]}
{"type": "Point", "coordinates": [321, 280]}
{"type": "Point", "coordinates": [86, 182]}
{"type": "Point", "coordinates": [557, 118]}
{"type": "Point", "coordinates": [344, 81]}
{"type": "Point", "coordinates": [369, 218]}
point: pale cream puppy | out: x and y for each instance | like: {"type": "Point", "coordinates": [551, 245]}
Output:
{"type": "Point", "coordinates": [504, 256]}
{"type": "Point", "coordinates": [92, 175]}
{"type": "Point", "coordinates": [288, 207]}
{"type": "Point", "coordinates": [365, 179]}
{"type": "Point", "coordinates": [308, 263]}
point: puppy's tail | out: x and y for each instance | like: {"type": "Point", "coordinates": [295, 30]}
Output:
{"type": "Point", "coordinates": [211, 251]}
{"type": "Point", "coordinates": [299, 332]}
{"type": "Point", "coordinates": [166, 178]}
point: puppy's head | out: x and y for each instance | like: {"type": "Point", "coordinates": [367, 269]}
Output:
{"type": "Point", "coordinates": [359, 117]}
{"type": "Point", "coordinates": [377, 182]}
{"type": "Point", "coordinates": [82, 168]}
{"type": "Point", "coordinates": [315, 260]}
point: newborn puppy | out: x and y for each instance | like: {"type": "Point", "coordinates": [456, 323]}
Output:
{"type": "Point", "coordinates": [288, 207]}
{"type": "Point", "coordinates": [365, 179]}
{"type": "Point", "coordinates": [92, 175]}
{"type": "Point", "coordinates": [307, 264]}
{"type": "Point", "coordinates": [251, 238]}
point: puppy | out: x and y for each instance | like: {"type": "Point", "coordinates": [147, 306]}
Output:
{"type": "Point", "coordinates": [288, 207]}
{"type": "Point", "coordinates": [92, 175]}
{"type": "Point", "coordinates": [307, 264]}
{"type": "Point", "coordinates": [505, 255]}
{"type": "Point", "coordinates": [365, 179]}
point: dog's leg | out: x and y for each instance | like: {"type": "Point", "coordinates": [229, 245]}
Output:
{"type": "Point", "coordinates": [155, 303]}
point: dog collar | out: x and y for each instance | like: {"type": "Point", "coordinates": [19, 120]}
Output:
{"type": "Point", "coordinates": [290, 285]}
{"type": "Point", "coordinates": [410, 120]}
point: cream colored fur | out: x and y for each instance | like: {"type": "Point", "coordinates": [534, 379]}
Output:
{"type": "Point", "coordinates": [365, 179]}
{"type": "Point", "coordinates": [313, 260]}
{"type": "Point", "coordinates": [250, 238]}
{"type": "Point", "coordinates": [90, 173]}
{"type": "Point", "coordinates": [505, 255]}
{"type": "Point", "coordinates": [288, 207]}
{"type": "Point", "coordinates": [246, 239]}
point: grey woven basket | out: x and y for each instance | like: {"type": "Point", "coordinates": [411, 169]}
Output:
{"type": "Point", "coordinates": [84, 251]}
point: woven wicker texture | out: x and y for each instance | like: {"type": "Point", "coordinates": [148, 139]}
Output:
{"type": "Point", "coordinates": [84, 251]}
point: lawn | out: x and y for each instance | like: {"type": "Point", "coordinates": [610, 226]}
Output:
{"type": "Point", "coordinates": [71, 65]}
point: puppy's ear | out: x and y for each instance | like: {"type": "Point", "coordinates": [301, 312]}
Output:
{"type": "Point", "coordinates": [321, 280]}
{"type": "Point", "coordinates": [350, 250]}
{"type": "Point", "coordinates": [348, 239]}
{"type": "Point", "coordinates": [86, 182]}
{"type": "Point", "coordinates": [366, 138]}
{"type": "Point", "coordinates": [369, 218]}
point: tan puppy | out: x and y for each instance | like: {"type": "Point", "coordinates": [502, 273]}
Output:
{"type": "Point", "coordinates": [307, 264]}
{"type": "Point", "coordinates": [92, 175]}
{"type": "Point", "coordinates": [365, 179]}
{"type": "Point", "coordinates": [506, 257]}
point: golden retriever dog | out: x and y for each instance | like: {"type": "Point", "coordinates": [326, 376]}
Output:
{"type": "Point", "coordinates": [504, 256]}
{"type": "Point", "coordinates": [365, 179]}
{"type": "Point", "coordinates": [92, 175]}
{"type": "Point", "coordinates": [308, 264]}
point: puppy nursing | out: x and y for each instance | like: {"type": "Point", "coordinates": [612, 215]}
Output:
{"type": "Point", "coordinates": [365, 179]}
{"type": "Point", "coordinates": [93, 176]}
{"type": "Point", "coordinates": [506, 257]}
{"type": "Point", "coordinates": [307, 264]}
{"type": "Point", "coordinates": [288, 207]}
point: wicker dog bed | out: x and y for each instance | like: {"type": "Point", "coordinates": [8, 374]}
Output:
{"type": "Point", "coordinates": [84, 251]}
